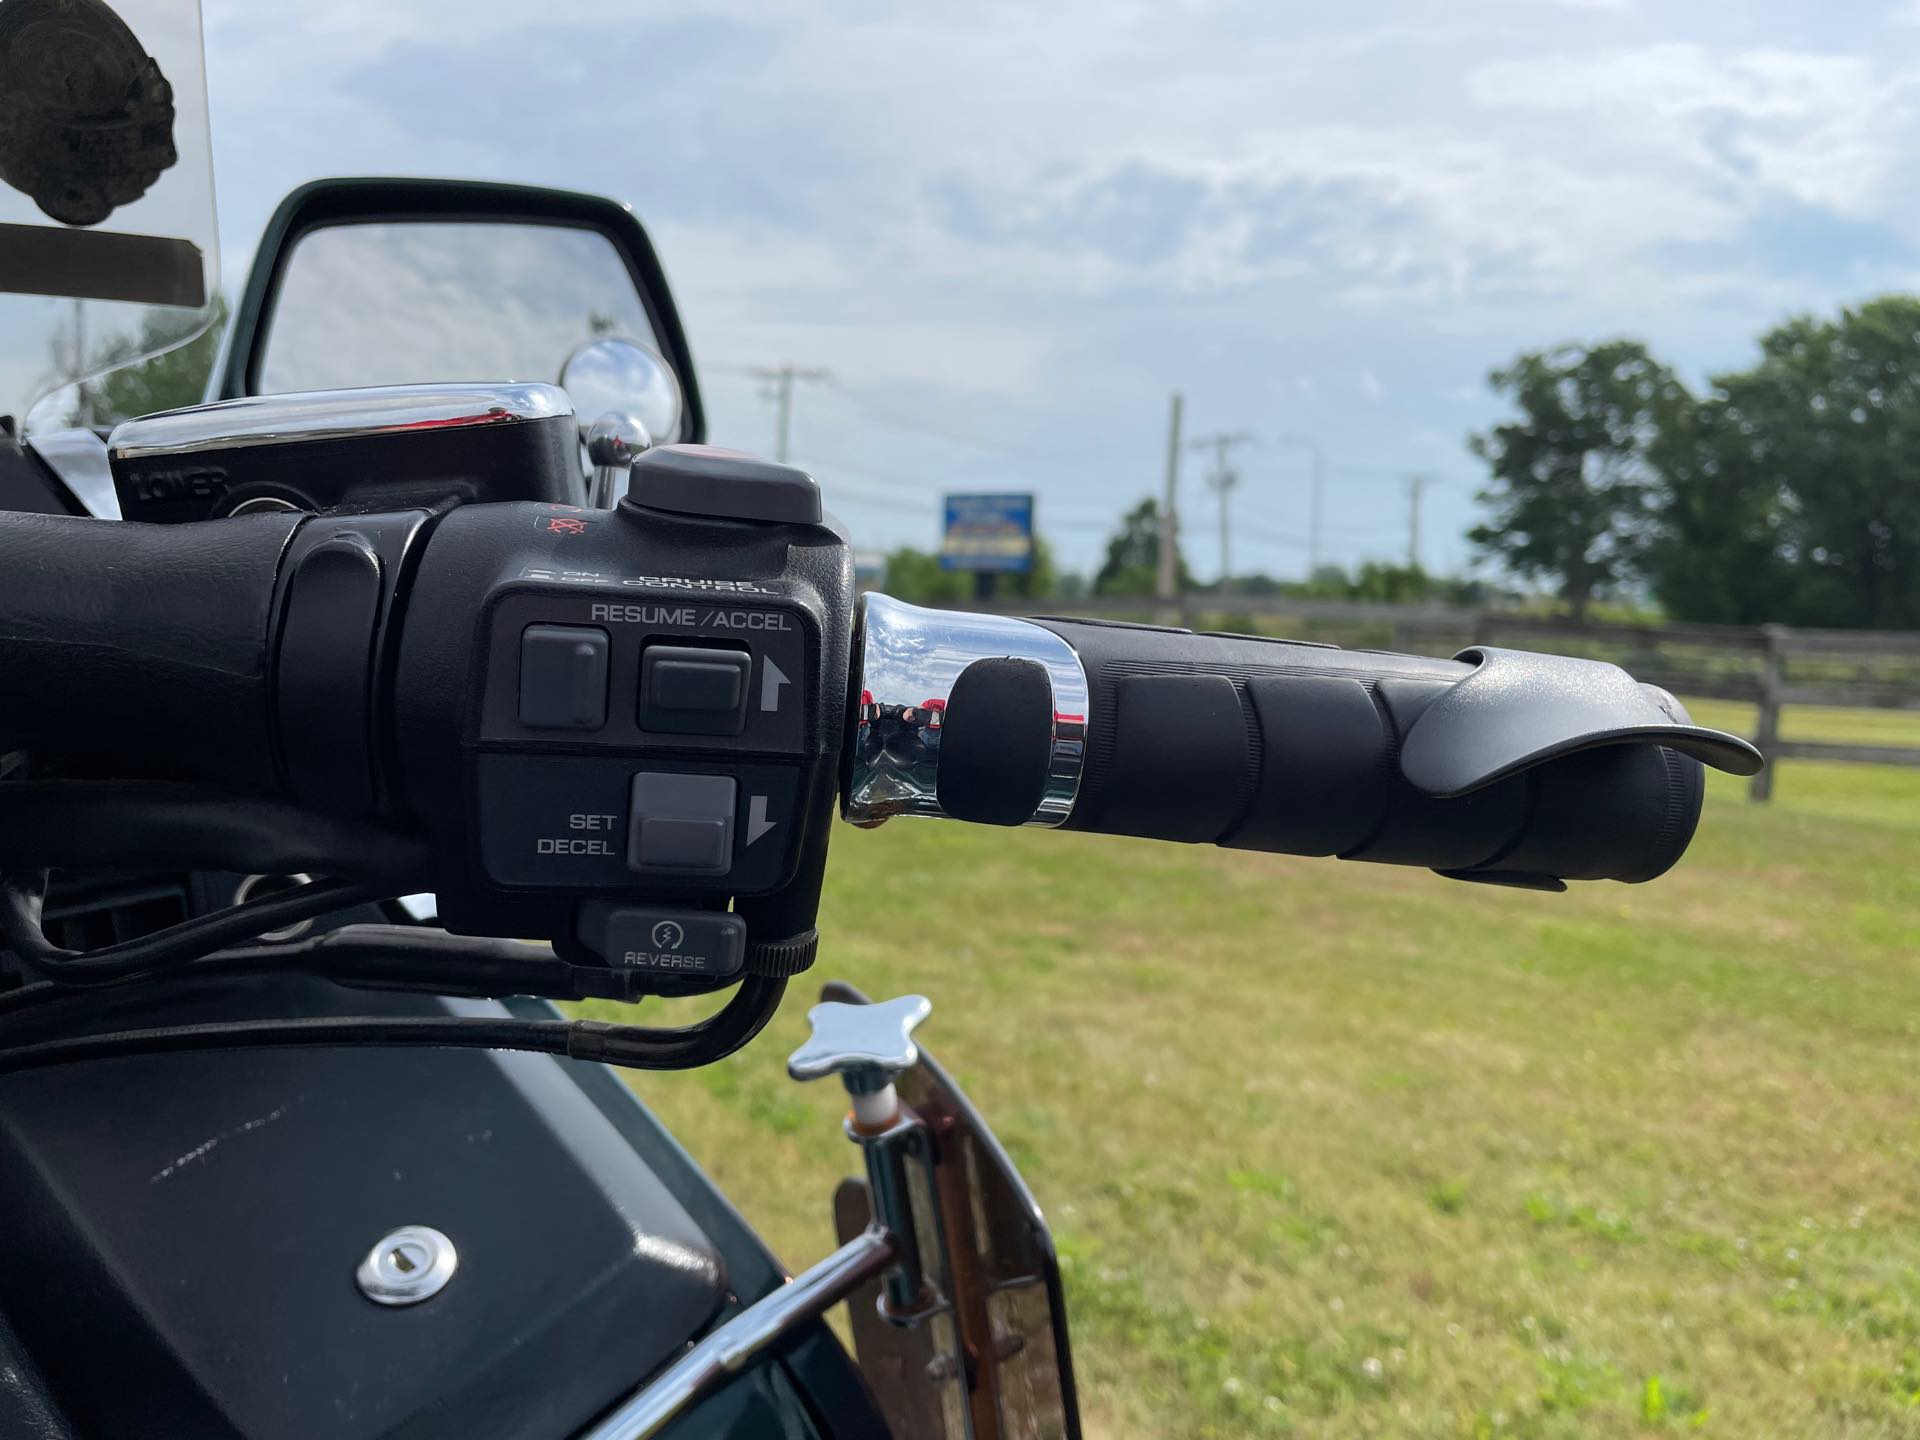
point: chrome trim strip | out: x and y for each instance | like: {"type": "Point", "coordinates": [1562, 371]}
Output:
{"type": "Point", "coordinates": [910, 658]}
{"type": "Point", "coordinates": [745, 1338]}
{"type": "Point", "coordinates": [332, 415]}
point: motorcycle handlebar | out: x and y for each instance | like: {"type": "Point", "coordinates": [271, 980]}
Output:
{"type": "Point", "coordinates": [142, 647]}
{"type": "Point", "coordinates": [1498, 765]}
{"type": "Point", "coordinates": [154, 648]}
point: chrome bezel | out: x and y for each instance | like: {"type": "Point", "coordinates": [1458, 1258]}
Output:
{"type": "Point", "coordinates": [256, 420]}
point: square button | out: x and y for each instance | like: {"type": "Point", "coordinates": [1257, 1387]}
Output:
{"type": "Point", "coordinates": [696, 846]}
{"type": "Point", "coordinates": [686, 690]}
{"type": "Point", "coordinates": [681, 824]}
{"type": "Point", "coordinates": [563, 677]}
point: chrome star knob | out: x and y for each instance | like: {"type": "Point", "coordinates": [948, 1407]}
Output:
{"type": "Point", "coordinates": [866, 1046]}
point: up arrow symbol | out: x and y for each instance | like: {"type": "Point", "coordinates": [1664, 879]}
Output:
{"type": "Point", "coordinates": [771, 679]}
{"type": "Point", "coordinates": [757, 822]}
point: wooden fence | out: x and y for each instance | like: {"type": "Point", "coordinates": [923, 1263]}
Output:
{"type": "Point", "coordinates": [1769, 666]}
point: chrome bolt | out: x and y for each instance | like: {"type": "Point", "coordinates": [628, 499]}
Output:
{"type": "Point", "coordinates": [412, 1264]}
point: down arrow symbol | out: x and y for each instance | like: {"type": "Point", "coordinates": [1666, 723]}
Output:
{"type": "Point", "coordinates": [757, 822]}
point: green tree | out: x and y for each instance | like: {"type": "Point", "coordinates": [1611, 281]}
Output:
{"type": "Point", "coordinates": [1132, 566]}
{"type": "Point", "coordinates": [916, 577]}
{"type": "Point", "coordinates": [1392, 584]}
{"type": "Point", "coordinates": [1572, 481]}
{"type": "Point", "coordinates": [1792, 494]}
{"type": "Point", "coordinates": [168, 381]}
{"type": "Point", "coordinates": [1718, 554]}
{"type": "Point", "coordinates": [1040, 578]}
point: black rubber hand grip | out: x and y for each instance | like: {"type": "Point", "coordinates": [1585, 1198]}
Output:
{"type": "Point", "coordinates": [1532, 769]}
{"type": "Point", "coordinates": [140, 648]}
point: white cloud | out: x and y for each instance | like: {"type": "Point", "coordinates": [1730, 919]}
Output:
{"type": "Point", "coordinates": [1821, 129]}
{"type": "Point", "coordinates": [1065, 210]}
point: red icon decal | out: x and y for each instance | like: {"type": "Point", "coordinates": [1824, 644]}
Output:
{"type": "Point", "coordinates": [561, 525]}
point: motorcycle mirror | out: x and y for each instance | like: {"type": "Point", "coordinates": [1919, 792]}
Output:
{"type": "Point", "coordinates": [408, 281]}
{"type": "Point", "coordinates": [616, 376]}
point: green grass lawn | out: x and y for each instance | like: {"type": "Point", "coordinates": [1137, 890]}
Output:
{"type": "Point", "coordinates": [1342, 1150]}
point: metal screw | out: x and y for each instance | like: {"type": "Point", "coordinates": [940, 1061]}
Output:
{"type": "Point", "coordinates": [409, 1265]}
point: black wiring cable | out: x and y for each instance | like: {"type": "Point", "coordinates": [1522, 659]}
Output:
{"type": "Point", "coordinates": [547, 1036]}
{"type": "Point", "coordinates": [417, 958]}
{"type": "Point", "coordinates": [20, 905]}
{"type": "Point", "coordinates": [636, 1047]}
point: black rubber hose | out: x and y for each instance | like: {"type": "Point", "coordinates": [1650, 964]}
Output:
{"type": "Point", "coordinates": [452, 1031]}
{"type": "Point", "coordinates": [745, 1014]}
{"type": "Point", "coordinates": [386, 956]}
{"type": "Point", "coordinates": [20, 903]}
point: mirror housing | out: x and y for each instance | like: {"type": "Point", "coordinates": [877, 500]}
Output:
{"type": "Point", "coordinates": [617, 376]}
{"type": "Point", "coordinates": [323, 204]}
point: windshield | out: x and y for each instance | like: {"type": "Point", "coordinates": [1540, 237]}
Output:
{"type": "Point", "coordinates": [107, 235]}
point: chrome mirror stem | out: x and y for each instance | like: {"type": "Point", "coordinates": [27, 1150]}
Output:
{"type": "Point", "coordinates": [614, 442]}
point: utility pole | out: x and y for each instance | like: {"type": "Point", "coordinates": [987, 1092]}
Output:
{"type": "Point", "coordinates": [1318, 494]}
{"type": "Point", "coordinates": [1167, 580]}
{"type": "Point", "coordinates": [1222, 482]}
{"type": "Point", "coordinates": [1415, 484]}
{"type": "Point", "coordinates": [782, 378]}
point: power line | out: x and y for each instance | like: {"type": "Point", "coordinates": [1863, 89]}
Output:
{"type": "Point", "coordinates": [782, 377]}
{"type": "Point", "coordinates": [899, 420]}
{"type": "Point", "coordinates": [1273, 537]}
{"type": "Point", "coordinates": [931, 429]}
{"type": "Point", "coordinates": [904, 492]}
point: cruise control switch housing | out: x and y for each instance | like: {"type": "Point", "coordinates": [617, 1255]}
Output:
{"type": "Point", "coordinates": [619, 729]}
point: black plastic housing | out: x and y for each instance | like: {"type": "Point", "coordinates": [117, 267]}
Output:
{"type": "Point", "coordinates": [369, 667]}
{"type": "Point", "coordinates": [535, 458]}
{"type": "Point", "coordinates": [469, 771]}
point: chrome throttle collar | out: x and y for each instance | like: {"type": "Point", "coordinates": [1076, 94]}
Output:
{"type": "Point", "coordinates": [909, 660]}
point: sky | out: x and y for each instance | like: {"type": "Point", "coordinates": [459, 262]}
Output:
{"type": "Point", "coordinates": [1010, 231]}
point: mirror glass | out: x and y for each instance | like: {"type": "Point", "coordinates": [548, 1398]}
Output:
{"type": "Point", "coordinates": [415, 302]}
{"type": "Point", "coordinates": [622, 376]}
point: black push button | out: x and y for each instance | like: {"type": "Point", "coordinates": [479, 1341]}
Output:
{"type": "Point", "coordinates": [689, 691]}
{"type": "Point", "coordinates": [672, 942]}
{"type": "Point", "coordinates": [563, 677]}
{"type": "Point", "coordinates": [724, 484]}
{"type": "Point", "coordinates": [681, 824]}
